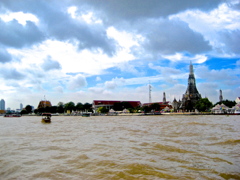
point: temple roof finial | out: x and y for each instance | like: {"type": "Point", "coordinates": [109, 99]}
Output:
{"type": "Point", "coordinates": [191, 68]}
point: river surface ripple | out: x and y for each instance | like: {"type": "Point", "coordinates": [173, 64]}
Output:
{"type": "Point", "coordinates": [120, 147]}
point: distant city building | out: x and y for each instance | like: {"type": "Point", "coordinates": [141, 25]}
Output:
{"type": "Point", "coordinates": [220, 96]}
{"type": "Point", "coordinates": [2, 104]}
{"type": "Point", "coordinates": [191, 95]}
{"type": "Point", "coordinates": [44, 104]}
{"type": "Point", "coordinates": [21, 106]}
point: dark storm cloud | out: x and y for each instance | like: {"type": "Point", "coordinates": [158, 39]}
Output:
{"type": "Point", "coordinates": [4, 55]}
{"type": "Point", "coordinates": [50, 64]}
{"type": "Point", "coordinates": [88, 36]}
{"type": "Point", "coordinates": [168, 37]}
{"type": "Point", "coordinates": [11, 74]}
{"type": "Point", "coordinates": [131, 10]}
{"type": "Point", "coordinates": [16, 35]}
{"type": "Point", "coordinates": [231, 40]}
{"type": "Point", "coordinates": [59, 25]}
{"type": "Point", "coordinates": [147, 18]}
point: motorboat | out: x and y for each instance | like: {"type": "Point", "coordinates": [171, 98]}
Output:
{"type": "Point", "coordinates": [46, 117]}
{"type": "Point", "coordinates": [85, 114]}
{"type": "Point", "coordinates": [12, 115]}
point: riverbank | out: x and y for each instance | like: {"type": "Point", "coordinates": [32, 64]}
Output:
{"type": "Point", "coordinates": [139, 114]}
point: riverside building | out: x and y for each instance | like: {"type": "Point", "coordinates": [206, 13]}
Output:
{"type": "Point", "coordinates": [108, 104]}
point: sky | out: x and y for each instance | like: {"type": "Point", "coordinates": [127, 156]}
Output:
{"type": "Point", "coordinates": [85, 50]}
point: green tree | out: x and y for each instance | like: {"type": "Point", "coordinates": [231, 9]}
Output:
{"type": "Point", "coordinates": [203, 104]}
{"type": "Point", "coordinates": [146, 109]}
{"type": "Point", "coordinates": [102, 110]}
{"type": "Point", "coordinates": [53, 109]}
{"type": "Point", "coordinates": [36, 111]}
{"type": "Point", "coordinates": [127, 105]}
{"type": "Point", "coordinates": [227, 102]}
{"type": "Point", "coordinates": [24, 111]}
{"type": "Point", "coordinates": [119, 106]}
{"type": "Point", "coordinates": [47, 109]}
{"type": "Point", "coordinates": [155, 107]}
{"type": "Point", "coordinates": [69, 106]}
{"type": "Point", "coordinates": [60, 104]}
{"type": "Point", "coordinates": [87, 107]}
{"type": "Point", "coordinates": [60, 107]}
{"type": "Point", "coordinates": [41, 110]}
{"type": "Point", "coordinates": [131, 110]}
{"type": "Point", "coordinates": [28, 108]}
{"type": "Point", "coordinates": [79, 107]}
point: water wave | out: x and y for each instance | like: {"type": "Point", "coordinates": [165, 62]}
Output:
{"type": "Point", "coordinates": [156, 147]}
{"type": "Point", "coordinates": [228, 142]}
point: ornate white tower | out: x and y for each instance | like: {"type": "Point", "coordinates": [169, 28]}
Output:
{"type": "Point", "coordinates": [220, 96]}
{"type": "Point", "coordinates": [150, 89]}
{"type": "Point", "coordinates": [164, 98]}
{"type": "Point", "coordinates": [191, 95]}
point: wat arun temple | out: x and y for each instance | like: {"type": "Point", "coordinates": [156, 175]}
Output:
{"type": "Point", "coordinates": [191, 95]}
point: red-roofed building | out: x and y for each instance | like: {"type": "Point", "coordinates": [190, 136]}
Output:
{"type": "Point", "coordinates": [162, 104]}
{"type": "Point", "coordinates": [109, 104]}
{"type": "Point", "coordinates": [44, 103]}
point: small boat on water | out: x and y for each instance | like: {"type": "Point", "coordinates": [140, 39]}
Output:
{"type": "Point", "coordinates": [85, 114]}
{"type": "Point", "coordinates": [46, 117]}
{"type": "Point", "coordinates": [12, 115]}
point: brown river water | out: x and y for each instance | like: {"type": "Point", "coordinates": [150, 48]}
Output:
{"type": "Point", "coordinates": [120, 147]}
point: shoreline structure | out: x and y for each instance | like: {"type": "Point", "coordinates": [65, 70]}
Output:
{"type": "Point", "coordinates": [143, 114]}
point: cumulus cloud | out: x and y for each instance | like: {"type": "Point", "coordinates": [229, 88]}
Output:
{"type": "Point", "coordinates": [17, 35]}
{"type": "Point", "coordinates": [98, 78]}
{"type": "Point", "coordinates": [11, 73]}
{"type": "Point", "coordinates": [115, 82]}
{"type": "Point", "coordinates": [141, 9]}
{"type": "Point", "coordinates": [21, 17]}
{"type": "Point", "coordinates": [4, 56]}
{"type": "Point", "coordinates": [220, 26]}
{"type": "Point", "coordinates": [120, 46]}
{"type": "Point", "coordinates": [169, 75]}
{"type": "Point", "coordinates": [77, 82]}
{"type": "Point", "coordinates": [96, 90]}
{"type": "Point", "coordinates": [231, 40]}
{"type": "Point", "coordinates": [162, 35]}
{"type": "Point", "coordinates": [59, 25]}
{"type": "Point", "coordinates": [213, 75]}
{"type": "Point", "coordinates": [50, 64]}
{"type": "Point", "coordinates": [165, 70]}
{"type": "Point", "coordinates": [198, 58]}
{"type": "Point", "coordinates": [59, 89]}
